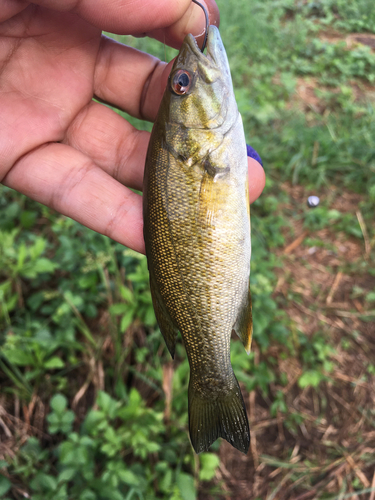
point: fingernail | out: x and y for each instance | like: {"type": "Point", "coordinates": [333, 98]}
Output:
{"type": "Point", "coordinates": [251, 153]}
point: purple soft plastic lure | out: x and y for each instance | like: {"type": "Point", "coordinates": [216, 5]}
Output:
{"type": "Point", "coordinates": [251, 153]}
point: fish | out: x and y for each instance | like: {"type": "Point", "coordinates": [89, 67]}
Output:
{"type": "Point", "coordinates": [197, 235]}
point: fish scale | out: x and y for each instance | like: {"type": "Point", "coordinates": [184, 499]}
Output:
{"type": "Point", "coordinates": [197, 235]}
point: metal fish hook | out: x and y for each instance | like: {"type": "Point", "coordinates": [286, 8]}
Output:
{"type": "Point", "coordinates": [207, 23]}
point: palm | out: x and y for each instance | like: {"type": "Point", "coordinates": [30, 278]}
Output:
{"type": "Point", "coordinates": [48, 78]}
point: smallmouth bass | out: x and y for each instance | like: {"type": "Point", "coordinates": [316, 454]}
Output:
{"type": "Point", "coordinates": [197, 235]}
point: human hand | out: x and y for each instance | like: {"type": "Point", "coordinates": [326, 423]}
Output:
{"type": "Point", "coordinates": [57, 145]}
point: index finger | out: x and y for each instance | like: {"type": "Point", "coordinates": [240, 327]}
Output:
{"type": "Point", "coordinates": [166, 20]}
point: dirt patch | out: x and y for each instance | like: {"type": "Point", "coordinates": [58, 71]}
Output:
{"type": "Point", "coordinates": [331, 36]}
{"type": "Point", "coordinates": [306, 97]}
{"type": "Point", "coordinates": [311, 96]}
{"type": "Point", "coordinates": [362, 39]}
{"type": "Point", "coordinates": [352, 40]}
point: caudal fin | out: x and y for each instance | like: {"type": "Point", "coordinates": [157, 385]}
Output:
{"type": "Point", "coordinates": [224, 416]}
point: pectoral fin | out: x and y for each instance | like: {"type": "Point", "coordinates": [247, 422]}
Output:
{"type": "Point", "coordinates": [244, 323]}
{"type": "Point", "coordinates": [212, 195]}
{"type": "Point", "coordinates": [164, 320]}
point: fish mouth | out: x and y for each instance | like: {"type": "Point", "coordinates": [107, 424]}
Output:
{"type": "Point", "coordinates": [193, 45]}
{"type": "Point", "coordinates": [216, 54]}
{"type": "Point", "coordinates": [215, 49]}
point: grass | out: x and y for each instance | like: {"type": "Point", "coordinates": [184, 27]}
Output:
{"type": "Point", "coordinates": [91, 405]}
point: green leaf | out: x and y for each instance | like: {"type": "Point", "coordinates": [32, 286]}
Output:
{"type": "Point", "coordinates": [311, 378]}
{"type": "Point", "coordinates": [28, 218]}
{"type": "Point", "coordinates": [128, 477]}
{"type": "Point", "coordinates": [111, 435]}
{"type": "Point", "coordinates": [126, 294]}
{"type": "Point", "coordinates": [150, 318]}
{"type": "Point", "coordinates": [166, 481]}
{"type": "Point", "coordinates": [209, 463]}
{"type": "Point", "coordinates": [66, 475]}
{"type": "Point", "coordinates": [372, 192]}
{"type": "Point", "coordinates": [107, 404]}
{"type": "Point", "coordinates": [59, 403]}
{"type": "Point", "coordinates": [12, 301]}
{"type": "Point", "coordinates": [43, 482]}
{"type": "Point", "coordinates": [135, 399]}
{"type": "Point", "coordinates": [54, 363]}
{"type": "Point", "coordinates": [61, 422]}
{"type": "Point", "coordinates": [87, 280]}
{"type": "Point", "coordinates": [44, 265]}
{"type": "Point", "coordinates": [38, 248]}
{"type": "Point", "coordinates": [22, 253]}
{"type": "Point", "coordinates": [67, 419]}
{"type": "Point", "coordinates": [118, 309]}
{"type": "Point", "coordinates": [94, 421]}
{"type": "Point", "coordinates": [126, 320]}
{"type": "Point", "coordinates": [75, 300]}
{"type": "Point", "coordinates": [19, 357]}
{"type": "Point", "coordinates": [5, 485]}
{"type": "Point", "coordinates": [333, 214]}
{"type": "Point", "coordinates": [35, 300]}
{"type": "Point", "coordinates": [88, 495]}
{"type": "Point", "coordinates": [53, 419]}
{"type": "Point", "coordinates": [185, 484]}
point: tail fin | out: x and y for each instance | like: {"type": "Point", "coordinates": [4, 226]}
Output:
{"type": "Point", "coordinates": [225, 416]}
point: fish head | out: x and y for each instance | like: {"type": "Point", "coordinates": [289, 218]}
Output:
{"type": "Point", "coordinates": [199, 84]}
{"type": "Point", "coordinates": [199, 103]}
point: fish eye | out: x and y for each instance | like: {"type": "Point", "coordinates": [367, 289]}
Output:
{"type": "Point", "coordinates": [181, 82]}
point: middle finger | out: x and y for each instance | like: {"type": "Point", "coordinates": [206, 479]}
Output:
{"type": "Point", "coordinates": [113, 143]}
{"type": "Point", "coordinates": [125, 76]}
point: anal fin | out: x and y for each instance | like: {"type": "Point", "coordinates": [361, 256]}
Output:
{"type": "Point", "coordinates": [163, 318]}
{"type": "Point", "coordinates": [244, 323]}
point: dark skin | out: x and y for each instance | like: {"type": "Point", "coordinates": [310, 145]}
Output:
{"type": "Point", "coordinates": [57, 145]}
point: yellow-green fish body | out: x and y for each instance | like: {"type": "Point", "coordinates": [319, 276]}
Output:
{"type": "Point", "coordinates": [197, 234]}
